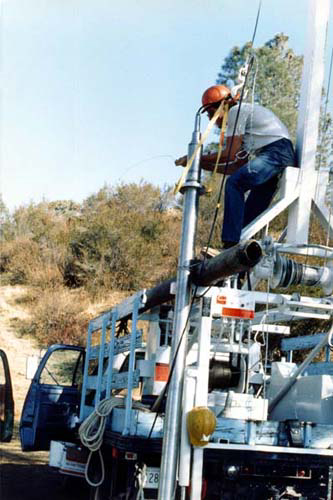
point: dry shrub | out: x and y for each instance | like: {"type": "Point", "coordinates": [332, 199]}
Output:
{"type": "Point", "coordinates": [58, 317]}
{"type": "Point", "coordinates": [23, 262]}
{"type": "Point", "coordinates": [125, 240]}
{"type": "Point", "coordinates": [17, 258]}
{"type": "Point", "coordinates": [123, 237]}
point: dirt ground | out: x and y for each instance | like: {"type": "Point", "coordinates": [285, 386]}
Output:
{"type": "Point", "coordinates": [16, 348]}
{"type": "Point", "coordinates": [25, 476]}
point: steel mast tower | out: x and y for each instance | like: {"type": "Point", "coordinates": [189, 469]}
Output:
{"type": "Point", "coordinates": [299, 190]}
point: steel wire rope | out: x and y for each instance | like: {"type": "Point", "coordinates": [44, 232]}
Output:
{"type": "Point", "coordinates": [266, 336]}
{"type": "Point", "coordinates": [325, 130]}
{"type": "Point", "coordinates": [322, 138]}
{"type": "Point", "coordinates": [202, 109]}
{"type": "Point", "coordinates": [266, 341]}
{"type": "Point", "coordinates": [145, 160]}
{"type": "Point", "coordinates": [325, 125]}
{"type": "Point", "coordinates": [256, 23]}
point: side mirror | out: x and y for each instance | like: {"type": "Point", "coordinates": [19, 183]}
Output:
{"type": "Point", "coordinates": [6, 400]}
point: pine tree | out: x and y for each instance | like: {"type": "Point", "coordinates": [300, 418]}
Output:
{"type": "Point", "coordinates": [274, 80]}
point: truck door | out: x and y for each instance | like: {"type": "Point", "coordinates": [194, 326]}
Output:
{"type": "Point", "coordinates": [6, 400]}
{"type": "Point", "coordinates": [51, 407]}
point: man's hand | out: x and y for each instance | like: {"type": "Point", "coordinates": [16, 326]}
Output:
{"type": "Point", "coordinates": [181, 161]}
{"type": "Point", "coordinates": [208, 162]}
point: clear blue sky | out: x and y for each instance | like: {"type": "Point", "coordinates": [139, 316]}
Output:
{"type": "Point", "coordinates": [92, 88]}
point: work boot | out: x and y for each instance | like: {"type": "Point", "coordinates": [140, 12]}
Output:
{"type": "Point", "coordinates": [228, 244]}
{"type": "Point", "coordinates": [209, 252]}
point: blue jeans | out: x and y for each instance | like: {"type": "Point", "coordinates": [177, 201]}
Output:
{"type": "Point", "coordinates": [260, 176]}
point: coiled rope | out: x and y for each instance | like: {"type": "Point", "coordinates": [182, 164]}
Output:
{"type": "Point", "coordinates": [92, 429]}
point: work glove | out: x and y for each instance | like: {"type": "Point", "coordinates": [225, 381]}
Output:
{"type": "Point", "coordinates": [181, 161]}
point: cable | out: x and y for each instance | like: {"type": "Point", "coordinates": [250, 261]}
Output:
{"type": "Point", "coordinates": [165, 388]}
{"type": "Point", "coordinates": [325, 130]}
{"type": "Point", "coordinates": [328, 89]}
{"type": "Point", "coordinates": [322, 137]}
{"type": "Point", "coordinates": [256, 24]}
{"type": "Point", "coordinates": [251, 141]}
{"type": "Point", "coordinates": [202, 109]}
{"type": "Point", "coordinates": [144, 161]}
{"type": "Point", "coordinates": [173, 364]}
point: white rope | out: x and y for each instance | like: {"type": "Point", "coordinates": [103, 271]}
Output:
{"type": "Point", "coordinates": [92, 429]}
{"type": "Point", "coordinates": [140, 477]}
{"type": "Point", "coordinates": [329, 340]}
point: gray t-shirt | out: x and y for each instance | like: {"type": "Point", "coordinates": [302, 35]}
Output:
{"type": "Point", "coordinates": [259, 126]}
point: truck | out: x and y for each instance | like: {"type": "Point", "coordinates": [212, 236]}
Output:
{"type": "Point", "coordinates": [99, 410]}
{"type": "Point", "coordinates": [6, 400]}
{"type": "Point", "coordinates": [178, 392]}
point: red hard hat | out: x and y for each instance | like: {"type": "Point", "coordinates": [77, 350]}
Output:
{"type": "Point", "coordinates": [216, 93]}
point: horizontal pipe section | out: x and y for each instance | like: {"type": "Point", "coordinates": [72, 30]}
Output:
{"type": "Point", "coordinates": [159, 294]}
{"type": "Point", "coordinates": [234, 260]}
{"type": "Point", "coordinates": [240, 258]}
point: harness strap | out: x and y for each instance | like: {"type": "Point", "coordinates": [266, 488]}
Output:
{"type": "Point", "coordinates": [223, 129]}
{"type": "Point", "coordinates": [204, 136]}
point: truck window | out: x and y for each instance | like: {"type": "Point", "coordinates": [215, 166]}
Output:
{"type": "Point", "coordinates": [64, 367]}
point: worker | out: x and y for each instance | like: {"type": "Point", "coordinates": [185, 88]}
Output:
{"type": "Point", "coordinates": [254, 157]}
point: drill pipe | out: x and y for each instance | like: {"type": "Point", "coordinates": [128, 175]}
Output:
{"type": "Point", "coordinates": [234, 260]}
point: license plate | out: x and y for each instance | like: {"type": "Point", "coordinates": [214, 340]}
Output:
{"type": "Point", "coordinates": [151, 478]}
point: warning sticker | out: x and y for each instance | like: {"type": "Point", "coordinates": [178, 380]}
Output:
{"type": "Point", "coordinates": [161, 372]}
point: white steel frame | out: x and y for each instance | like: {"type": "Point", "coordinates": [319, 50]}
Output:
{"type": "Point", "coordinates": [304, 189]}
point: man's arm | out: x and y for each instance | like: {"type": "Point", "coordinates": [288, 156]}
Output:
{"type": "Point", "coordinates": [208, 161]}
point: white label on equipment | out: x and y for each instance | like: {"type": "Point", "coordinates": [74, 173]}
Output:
{"type": "Point", "coordinates": [151, 478]}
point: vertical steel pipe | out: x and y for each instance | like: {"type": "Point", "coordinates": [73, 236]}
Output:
{"type": "Point", "coordinates": [172, 421]}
